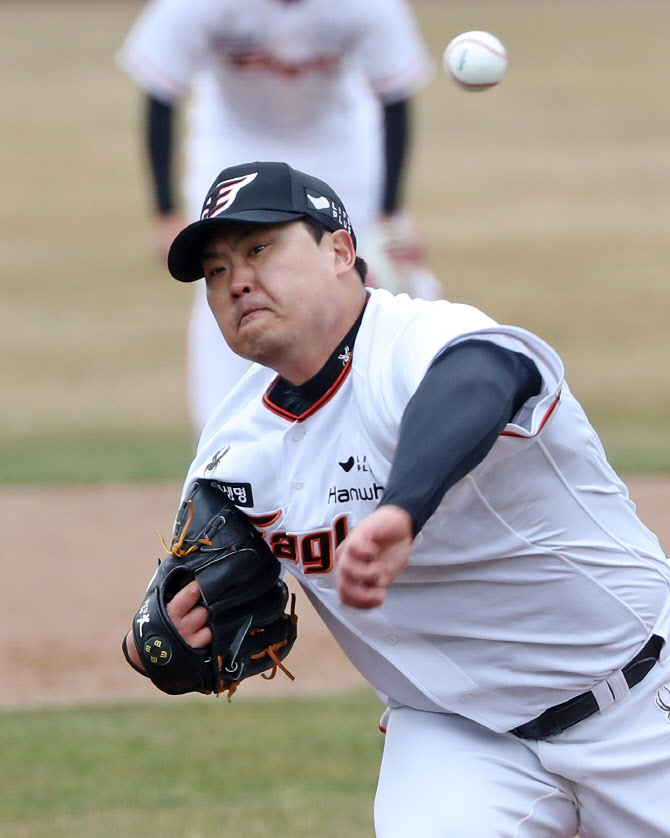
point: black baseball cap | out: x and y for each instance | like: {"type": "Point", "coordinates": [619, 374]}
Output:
{"type": "Point", "coordinates": [260, 193]}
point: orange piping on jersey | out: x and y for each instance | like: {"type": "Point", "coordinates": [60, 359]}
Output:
{"type": "Point", "coordinates": [327, 396]}
{"type": "Point", "coordinates": [542, 423]}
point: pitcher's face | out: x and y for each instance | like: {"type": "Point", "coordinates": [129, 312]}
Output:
{"type": "Point", "coordinates": [275, 292]}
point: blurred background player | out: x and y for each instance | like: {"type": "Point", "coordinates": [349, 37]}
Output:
{"type": "Point", "coordinates": [323, 86]}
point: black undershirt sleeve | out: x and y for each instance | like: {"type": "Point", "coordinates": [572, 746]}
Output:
{"type": "Point", "coordinates": [396, 144]}
{"type": "Point", "coordinates": [159, 136]}
{"type": "Point", "coordinates": [465, 400]}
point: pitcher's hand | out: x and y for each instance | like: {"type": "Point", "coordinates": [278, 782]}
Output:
{"type": "Point", "coordinates": [374, 553]}
{"type": "Point", "coordinates": [190, 617]}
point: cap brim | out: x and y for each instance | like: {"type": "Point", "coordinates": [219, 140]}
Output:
{"type": "Point", "coordinates": [185, 255]}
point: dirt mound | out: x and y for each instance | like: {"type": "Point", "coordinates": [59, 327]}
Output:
{"type": "Point", "coordinates": [72, 586]}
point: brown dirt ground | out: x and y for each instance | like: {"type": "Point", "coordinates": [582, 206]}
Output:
{"type": "Point", "coordinates": [73, 581]}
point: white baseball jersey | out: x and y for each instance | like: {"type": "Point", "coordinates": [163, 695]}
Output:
{"type": "Point", "coordinates": [472, 625]}
{"type": "Point", "coordinates": [273, 80]}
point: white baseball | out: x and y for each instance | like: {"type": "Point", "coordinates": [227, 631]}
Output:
{"type": "Point", "coordinates": [475, 60]}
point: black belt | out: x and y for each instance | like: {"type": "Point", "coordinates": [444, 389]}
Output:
{"type": "Point", "coordinates": [562, 716]}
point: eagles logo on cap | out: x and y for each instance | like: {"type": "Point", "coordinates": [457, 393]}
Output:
{"type": "Point", "coordinates": [225, 193]}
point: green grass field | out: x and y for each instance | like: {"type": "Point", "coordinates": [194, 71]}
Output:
{"type": "Point", "coordinates": [253, 768]}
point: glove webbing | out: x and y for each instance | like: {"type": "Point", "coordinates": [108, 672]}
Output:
{"type": "Point", "coordinates": [270, 651]}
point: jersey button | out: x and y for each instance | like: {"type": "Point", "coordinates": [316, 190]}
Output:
{"type": "Point", "coordinates": [390, 640]}
{"type": "Point", "coordinates": [299, 483]}
{"type": "Point", "coordinates": [298, 434]}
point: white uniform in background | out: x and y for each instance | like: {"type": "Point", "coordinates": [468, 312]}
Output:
{"type": "Point", "coordinates": [301, 81]}
{"type": "Point", "coordinates": [533, 582]}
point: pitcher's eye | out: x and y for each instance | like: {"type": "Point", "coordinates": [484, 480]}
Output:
{"type": "Point", "coordinates": [214, 271]}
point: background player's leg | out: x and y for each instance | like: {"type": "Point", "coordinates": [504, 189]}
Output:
{"type": "Point", "coordinates": [214, 369]}
{"type": "Point", "coordinates": [442, 775]}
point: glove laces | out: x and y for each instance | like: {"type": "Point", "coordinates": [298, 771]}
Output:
{"type": "Point", "coordinates": [177, 547]}
{"type": "Point", "coordinates": [271, 651]}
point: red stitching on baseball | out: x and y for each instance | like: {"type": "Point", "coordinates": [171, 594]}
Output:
{"type": "Point", "coordinates": [479, 44]}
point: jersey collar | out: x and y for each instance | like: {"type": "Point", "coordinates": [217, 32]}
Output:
{"type": "Point", "coordinates": [295, 403]}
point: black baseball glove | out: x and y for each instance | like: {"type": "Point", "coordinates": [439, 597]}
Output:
{"type": "Point", "coordinates": [215, 543]}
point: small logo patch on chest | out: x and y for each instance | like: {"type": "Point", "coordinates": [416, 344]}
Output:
{"type": "Point", "coordinates": [216, 458]}
{"type": "Point", "coordinates": [361, 463]}
{"type": "Point", "coordinates": [339, 494]}
{"type": "Point", "coordinates": [239, 493]}
{"type": "Point", "coordinates": [663, 700]}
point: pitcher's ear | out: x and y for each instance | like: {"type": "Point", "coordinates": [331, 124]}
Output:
{"type": "Point", "coordinates": [344, 250]}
